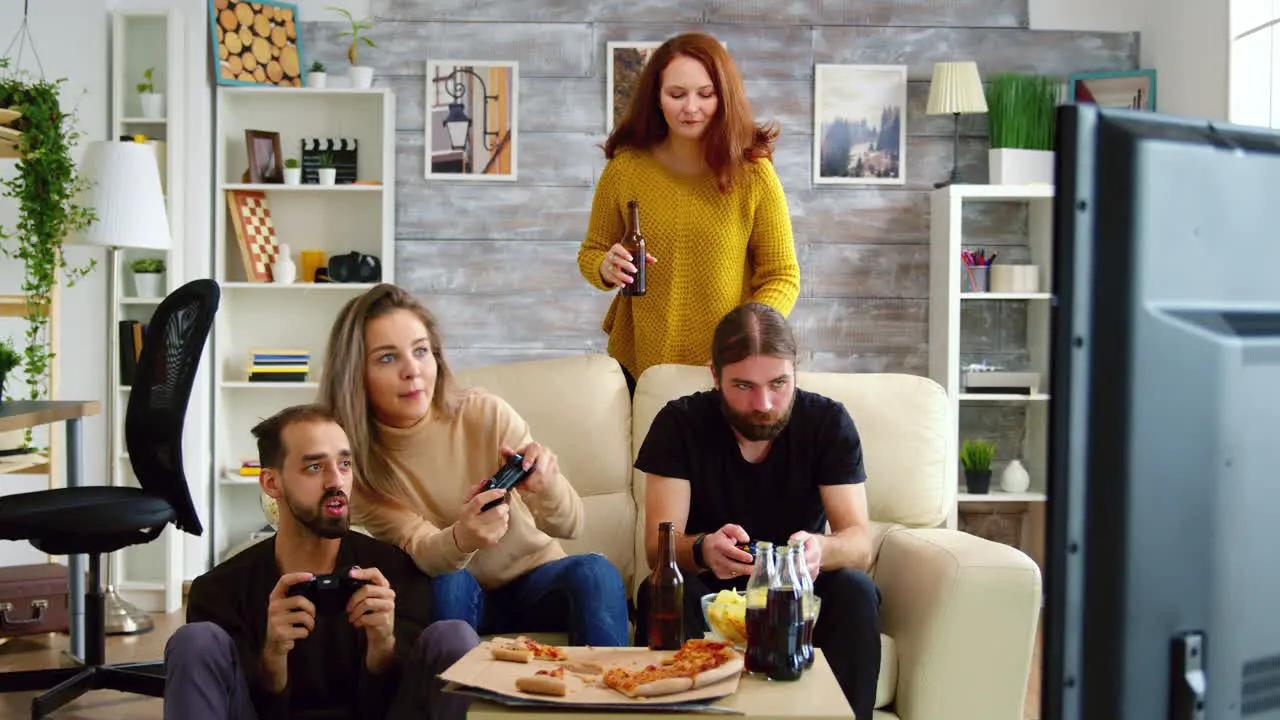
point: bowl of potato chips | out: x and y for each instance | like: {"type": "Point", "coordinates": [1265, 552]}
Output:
{"type": "Point", "coordinates": [726, 615]}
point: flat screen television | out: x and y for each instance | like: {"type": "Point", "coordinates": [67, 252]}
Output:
{"type": "Point", "coordinates": [1163, 552]}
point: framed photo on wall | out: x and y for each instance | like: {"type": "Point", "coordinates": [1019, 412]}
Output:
{"type": "Point", "coordinates": [626, 60]}
{"type": "Point", "coordinates": [860, 124]}
{"type": "Point", "coordinates": [1132, 89]}
{"type": "Point", "coordinates": [472, 119]}
{"type": "Point", "coordinates": [256, 43]}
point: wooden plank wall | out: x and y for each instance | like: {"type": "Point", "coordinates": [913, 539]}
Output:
{"type": "Point", "coordinates": [497, 261]}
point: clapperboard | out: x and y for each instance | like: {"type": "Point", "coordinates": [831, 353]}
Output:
{"type": "Point", "coordinates": [344, 158]}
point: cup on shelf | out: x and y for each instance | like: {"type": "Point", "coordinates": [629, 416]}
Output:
{"type": "Point", "coordinates": [976, 278]}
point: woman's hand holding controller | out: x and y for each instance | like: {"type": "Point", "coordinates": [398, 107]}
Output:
{"type": "Point", "coordinates": [477, 528]}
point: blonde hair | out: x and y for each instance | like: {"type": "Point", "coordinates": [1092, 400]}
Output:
{"type": "Point", "coordinates": [342, 387]}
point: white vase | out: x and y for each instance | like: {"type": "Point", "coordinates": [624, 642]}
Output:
{"type": "Point", "coordinates": [293, 176]}
{"type": "Point", "coordinates": [328, 176]}
{"type": "Point", "coordinates": [148, 285]}
{"type": "Point", "coordinates": [152, 104]}
{"type": "Point", "coordinates": [361, 77]}
{"type": "Point", "coordinates": [1015, 478]}
{"type": "Point", "coordinates": [1008, 166]}
{"type": "Point", "coordinates": [283, 270]}
{"type": "Point", "coordinates": [317, 79]}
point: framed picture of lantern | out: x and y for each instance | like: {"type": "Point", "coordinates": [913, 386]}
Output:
{"type": "Point", "coordinates": [472, 120]}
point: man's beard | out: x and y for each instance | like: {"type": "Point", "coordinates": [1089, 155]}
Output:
{"type": "Point", "coordinates": [319, 522]}
{"type": "Point", "coordinates": [757, 426]}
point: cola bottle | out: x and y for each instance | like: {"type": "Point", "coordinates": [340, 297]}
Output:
{"type": "Point", "coordinates": [807, 605]}
{"type": "Point", "coordinates": [785, 616]}
{"type": "Point", "coordinates": [763, 576]}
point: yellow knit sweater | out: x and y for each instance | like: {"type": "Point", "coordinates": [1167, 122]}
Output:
{"type": "Point", "coordinates": [714, 252]}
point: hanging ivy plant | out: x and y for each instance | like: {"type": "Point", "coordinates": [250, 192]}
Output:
{"type": "Point", "coordinates": [46, 188]}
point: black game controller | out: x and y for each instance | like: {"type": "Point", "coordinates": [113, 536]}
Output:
{"type": "Point", "coordinates": [749, 548]}
{"type": "Point", "coordinates": [510, 474]}
{"type": "Point", "coordinates": [329, 592]}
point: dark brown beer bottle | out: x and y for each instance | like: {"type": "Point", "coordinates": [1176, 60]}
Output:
{"type": "Point", "coordinates": [633, 241]}
{"type": "Point", "coordinates": [666, 594]}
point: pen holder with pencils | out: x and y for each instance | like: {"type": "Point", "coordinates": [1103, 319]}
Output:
{"type": "Point", "coordinates": [976, 269]}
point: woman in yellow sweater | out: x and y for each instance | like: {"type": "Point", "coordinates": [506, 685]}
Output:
{"type": "Point", "coordinates": [712, 209]}
{"type": "Point", "coordinates": [423, 448]}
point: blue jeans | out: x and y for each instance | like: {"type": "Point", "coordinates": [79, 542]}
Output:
{"type": "Point", "coordinates": [580, 594]}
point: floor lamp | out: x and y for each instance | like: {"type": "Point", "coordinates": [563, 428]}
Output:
{"type": "Point", "coordinates": [129, 204]}
{"type": "Point", "coordinates": [956, 88]}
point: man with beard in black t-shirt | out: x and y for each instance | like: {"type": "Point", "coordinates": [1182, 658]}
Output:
{"type": "Point", "coordinates": [757, 458]}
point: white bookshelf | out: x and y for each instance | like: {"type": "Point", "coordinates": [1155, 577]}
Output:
{"type": "Point", "coordinates": [947, 342]}
{"type": "Point", "coordinates": [149, 575]}
{"type": "Point", "coordinates": [335, 220]}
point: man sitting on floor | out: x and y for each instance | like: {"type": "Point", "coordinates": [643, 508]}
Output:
{"type": "Point", "coordinates": [758, 459]}
{"type": "Point", "coordinates": [251, 649]}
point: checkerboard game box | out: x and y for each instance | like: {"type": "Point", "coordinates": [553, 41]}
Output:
{"type": "Point", "coordinates": [255, 232]}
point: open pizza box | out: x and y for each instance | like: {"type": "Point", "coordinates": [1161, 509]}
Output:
{"type": "Point", "coordinates": [479, 675]}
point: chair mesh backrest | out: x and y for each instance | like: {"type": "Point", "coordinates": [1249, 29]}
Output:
{"type": "Point", "coordinates": [171, 350]}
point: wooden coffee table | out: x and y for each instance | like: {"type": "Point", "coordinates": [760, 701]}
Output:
{"type": "Point", "coordinates": [815, 696]}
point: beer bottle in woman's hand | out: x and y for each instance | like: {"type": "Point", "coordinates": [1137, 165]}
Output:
{"type": "Point", "coordinates": [634, 243]}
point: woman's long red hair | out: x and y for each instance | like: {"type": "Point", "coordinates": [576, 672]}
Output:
{"type": "Point", "coordinates": [731, 140]}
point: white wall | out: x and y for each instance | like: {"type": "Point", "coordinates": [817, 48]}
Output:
{"type": "Point", "coordinates": [1186, 41]}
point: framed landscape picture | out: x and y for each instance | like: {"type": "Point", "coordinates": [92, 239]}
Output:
{"type": "Point", "coordinates": [472, 119]}
{"type": "Point", "coordinates": [626, 60]}
{"type": "Point", "coordinates": [859, 124]}
{"type": "Point", "coordinates": [1132, 89]}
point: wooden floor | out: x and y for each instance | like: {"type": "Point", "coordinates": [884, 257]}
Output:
{"type": "Point", "coordinates": [46, 651]}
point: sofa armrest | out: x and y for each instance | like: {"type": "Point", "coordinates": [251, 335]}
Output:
{"type": "Point", "coordinates": [963, 613]}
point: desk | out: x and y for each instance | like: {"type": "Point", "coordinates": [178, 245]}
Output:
{"type": "Point", "coordinates": [23, 414]}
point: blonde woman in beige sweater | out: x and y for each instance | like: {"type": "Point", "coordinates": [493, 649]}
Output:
{"type": "Point", "coordinates": [423, 448]}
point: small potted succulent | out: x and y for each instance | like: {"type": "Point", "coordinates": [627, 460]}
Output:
{"type": "Point", "coordinates": [976, 456]}
{"type": "Point", "coordinates": [148, 277]}
{"type": "Point", "coordinates": [152, 101]}
{"type": "Point", "coordinates": [10, 359]}
{"type": "Point", "coordinates": [327, 173]}
{"type": "Point", "coordinates": [292, 172]}
{"type": "Point", "coordinates": [316, 75]}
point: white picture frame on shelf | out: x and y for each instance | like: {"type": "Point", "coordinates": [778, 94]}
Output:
{"type": "Point", "coordinates": [472, 120]}
{"type": "Point", "coordinates": [856, 108]}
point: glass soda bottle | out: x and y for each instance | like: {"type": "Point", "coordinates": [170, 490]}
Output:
{"type": "Point", "coordinates": [635, 244]}
{"type": "Point", "coordinates": [786, 621]}
{"type": "Point", "coordinates": [806, 603]}
{"type": "Point", "coordinates": [666, 594]}
{"type": "Point", "coordinates": [763, 577]}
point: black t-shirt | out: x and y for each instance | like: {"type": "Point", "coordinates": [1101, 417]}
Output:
{"type": "Point", "coordinates": [327, 676]}
{"type": "Point", "coordinates": [691, 439]}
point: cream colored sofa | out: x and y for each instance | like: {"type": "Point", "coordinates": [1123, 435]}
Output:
{"type": "Point", "coordinates": [959, 612]}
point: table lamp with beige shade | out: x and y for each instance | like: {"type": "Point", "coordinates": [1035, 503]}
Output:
{"type": "Point", "coordinates": [129, 206]}
{"type": "Point", "coordinates": [956, 88]}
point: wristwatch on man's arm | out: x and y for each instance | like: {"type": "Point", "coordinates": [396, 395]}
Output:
{"type": "Point", "coordinates": [697, 552]}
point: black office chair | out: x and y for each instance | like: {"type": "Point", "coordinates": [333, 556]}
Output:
{"type": "Point", "coordinates": [94, 520]}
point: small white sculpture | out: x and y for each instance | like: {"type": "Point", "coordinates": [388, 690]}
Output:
{"type": "Point", "coordinates": [1015, 478]}
{"type": "Point", "coordinates": [283, 270]}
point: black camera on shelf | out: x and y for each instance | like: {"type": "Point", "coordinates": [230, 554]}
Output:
{"type": "Point", "coordinates": [507, 477]}
{"type": "Point", "coordinates": [329, 592]}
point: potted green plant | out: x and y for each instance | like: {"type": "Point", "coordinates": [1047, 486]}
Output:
{"type": "Point", "coordinates": [9, 360]}
{"type": "Point", "coordinates": [1021, 113]}
{"type": "Point", "coordinates": [292, 172]}
{"type": "Point", "coordinates": [152, 101]}
{"type": "Point", "coordinates": [316, 75]}
{"type": "Point", "coordinates": [361, 75]}
{"type": "Point", "coordinates": [46, 187]}
{"type": "Point", "coordinates": [976, 456]}
{"type": "Point", "coordinates": [148, 277]}
{"type": "Point", "coordinates": [327, 173]}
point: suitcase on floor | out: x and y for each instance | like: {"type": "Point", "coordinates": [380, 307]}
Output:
{"type": "Point", "coordinates": [33, 600]}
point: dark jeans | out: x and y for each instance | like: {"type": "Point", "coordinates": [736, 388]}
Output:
{"type": "Point", "coordinates": [848, 629]}
{"type": "Point", "coordinates": [581, 594]}
{"type": "Point", "coordinates": [205, 680]}
{"type": "Point", "coordinates": [631, 381]}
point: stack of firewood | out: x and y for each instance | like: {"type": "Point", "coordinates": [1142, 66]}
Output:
{"type": "Point", "coordinates": [9, 137]}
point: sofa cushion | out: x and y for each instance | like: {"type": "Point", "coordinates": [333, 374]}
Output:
{"type": "Point", "coordinates": [579, 407]}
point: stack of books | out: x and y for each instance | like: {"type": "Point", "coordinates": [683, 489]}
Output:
{"type": "Point", "coordinates": [279, 365]}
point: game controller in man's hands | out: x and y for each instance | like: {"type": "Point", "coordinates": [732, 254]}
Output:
{"type": "Point", "coordinates": [749, 548]}
{"type": "Point", "coordinates": [329, 592]}
{"type": "Point", "coordinates": [507, 477]}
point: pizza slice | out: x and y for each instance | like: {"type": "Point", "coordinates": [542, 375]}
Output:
{"type": "Point", "coordinates": [544, 682]}
{"type": "Point", "coordinates": [543, 651]}
{"type": "Point", "coordinates": [523, 649]}
{"type": "Point", "coordinates": [697, 664]}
